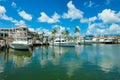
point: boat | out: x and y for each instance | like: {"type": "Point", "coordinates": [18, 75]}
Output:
{"type": "Point", "coordinates": [108, 41]}
{"type": "Point", "coordinates": [20, 44]}
{"type": "Point", "coordinates": [95, 40]}
{"type": "Point", "coordinates": [63, 43]}
{"type": "Point", "coordinates": [85, 42]}
{"type": "Point", "coordinates": [20, 40]}
{"type": "Point", "coordinates": [101, 40]}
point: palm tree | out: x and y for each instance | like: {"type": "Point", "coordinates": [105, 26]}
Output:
{"type": "Point", "coordinates": [67, 33]}
{"type": "Point", "coordinates": [42, 36]}
{"type": "Point", "coordinates": [54, 31]}
{"type": "Point", "coordinates": [77, 30]}
{"type": "Point", "coordinates": [63, 34]}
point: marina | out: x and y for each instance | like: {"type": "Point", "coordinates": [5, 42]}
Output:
{"type": "Point", "coordinates": [59, 40]}
{"type": "Point", "coordinates": [89, 62]}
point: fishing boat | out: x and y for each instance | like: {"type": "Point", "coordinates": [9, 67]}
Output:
{"type": "Point", "coordinates": [63, 42]}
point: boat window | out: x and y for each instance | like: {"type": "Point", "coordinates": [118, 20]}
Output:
{"type": "Point", "coordinates": [22, 39]}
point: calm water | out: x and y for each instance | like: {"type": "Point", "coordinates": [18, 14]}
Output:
{"type": "Point", "coordinates": [89, 62]}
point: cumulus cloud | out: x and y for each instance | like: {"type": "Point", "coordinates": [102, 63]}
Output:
{"type": "Point", "coordinates": [20, 23]}
{"type": "Point", "coordinates": [114, 29]}
{"type": "Point", "coordinates": [109, 16]}
{"type": "Point", "coordinates": [2, 10]}
{"type": "Point", "coordinates": [88, 20]}
{"type": "Point", "coordinates": [4, 16]}
{"type": "Point", "coordinates": [59, 27]}
{"type": "Point", "coordinates": [13, 4]}
{"type": "Point", "coordinates": [40, 30]}
{"type": "Point", "coordinates": [31, 29]}
{"type": "Point", "coordinates": [45, 18]}
{"type": "Point", "coordinates": [73, 12]}
{"type": "Point", "coordinates": [102, 29]}
{"type": "Point", "coordinates": [89, 4]}
{"type": "Point", "coordinates": [25, 15]}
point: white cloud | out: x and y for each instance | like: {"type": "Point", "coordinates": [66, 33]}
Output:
{"type": "Point", "coordinates": [20, 23]}
{"type": "Point", "coordinates": [73, 12]}
{"type": "Point", "coordinates": [2, 10]}
{"type": "Point", "coordinates": [78, 27]}
{"type": "Point", "coordinates": [114, 29]}
{"type": "Point", "coordinates": [25, 15]}
{"type": "Point", "coordinates": [109, 16]}
{"type": "Point", "coordinates": [96, 29]}
{"type": "Point", "coordinates": [102, 29]}
{"type": "Point", "coordinates": [31, 29]}
{"type": "Point", "coordinates": [13, 4]}
{"type": "Point", "coordinates": [59, 28]}
{"type": "Point", "coordinates": [4, 16]}
{"type": "Point", "coordinates": [88, 20]}
{"type": "Point", "coordinates": [89, 4]}
{"type": "Point", "coordinates": [45, 18]}
{"type": "Point", "coordinates": [41, 30]}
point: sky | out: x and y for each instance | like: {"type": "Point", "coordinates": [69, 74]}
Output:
{"type": "Point", "coordinates": [92, 17]}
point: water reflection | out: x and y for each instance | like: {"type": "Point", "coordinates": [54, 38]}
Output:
{"type": "Point", "coordinates": [18, 58]}
{"type": "Point", "coordinates": [70, 62]}
{"type": "Point", "coordinates": [1, 64]}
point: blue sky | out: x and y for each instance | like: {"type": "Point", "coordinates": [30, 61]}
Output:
{"type": "Point", "coordinates": [96, 17]}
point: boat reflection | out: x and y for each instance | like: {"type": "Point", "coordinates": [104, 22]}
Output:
{"type": "Point", "coordinates": [18, 58]}
{"type": "Point", "coordinates": [71, 62]}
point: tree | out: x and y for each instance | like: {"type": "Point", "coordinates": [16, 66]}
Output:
{"type": "Point", "coordinates": [67, 33]}
{"type": "Point", "coordinates": [77, 30]}
{"type": "Point", "coordinates": [54, 31]}
{"type": "Point", "coordinates": [42, 36]}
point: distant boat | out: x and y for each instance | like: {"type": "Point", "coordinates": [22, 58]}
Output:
{"type": "Point", "coordinates": [108, 41]}
{"type": "Point", "coordinates": [95, 40]}
{"type": "Point", "coordinates": [85, 42]}
{"type": "Point", "coordinates": [63, 42]}
{"type": "Point", "coordinates": [20, 44]}
{"type": "Point", "coordinates": [101, 40]}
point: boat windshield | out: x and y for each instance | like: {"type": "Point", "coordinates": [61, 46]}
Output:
{"type": "Point", "coordinates": [60, 41]}
{"type": "Point", "coordinates": [21, 39]}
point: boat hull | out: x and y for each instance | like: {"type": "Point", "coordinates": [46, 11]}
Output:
{"type": "Point", "coordinates": [70, 44]}
{"type": "Point", "coordinates": [20, 46]}
{"type": "Point", "coordinates": [85, 42]}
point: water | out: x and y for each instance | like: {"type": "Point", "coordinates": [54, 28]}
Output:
{"type": "Point", "coordinates": [89, 62]}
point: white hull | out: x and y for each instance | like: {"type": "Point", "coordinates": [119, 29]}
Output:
{"type": "Point", "coordinates": [64, 44]}
{"type": "Point", "coordinates": [86, 42]}
{"type": "Point", "coordinates": [108, 41]}
{"type": "Point", "coordinates": [20, 46]}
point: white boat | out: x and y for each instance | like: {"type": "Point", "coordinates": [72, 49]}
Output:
{"type": "Point", "coordinates": [95, 40]}
{"type": "Point", "coordinates": [20, 39]}
{"type": "Point", "coordinates": [85, 42]}
{"type": "Point", "coordinates": [20, 44]}
{"type": "Point", "coordinates": [63, 42]}
{"type": "Point", "coordinates": [108, 41]}
{"type": "Point", "coordinates": [101, 40]}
